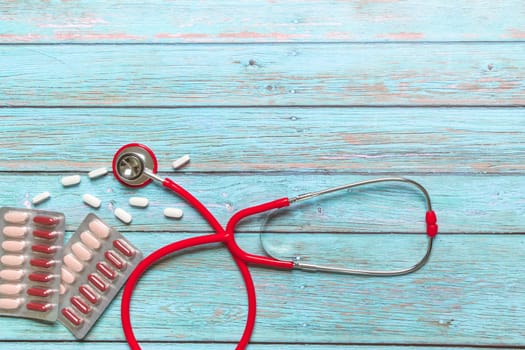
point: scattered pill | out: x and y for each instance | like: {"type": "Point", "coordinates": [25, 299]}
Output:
{"type": "Point", "coordinates": [93, 174]}
{"type": "Point", "coordinates": [39, 198]}
{"type": "Point", "coordinates": [67, 276]}
{"type": "Point", "coordinates": [10, 304]}
{"type": "Point", "coordinates": [91, 200]}
{"type": "Point", "coordinates": [98, 228]}
{"type": "Point", "coordinates": [72, 317]}
{"type": "Point", "coordinates": [40, 292]}
{"type": "Point", "coordinates": [81, 251]}
{"type": "Point", "coordinates": [88, 239]}
{"type": "Point", "coordinates": [16, 217]}
{"type": "Point", "coordinates": [73, 263]}
{"type": "Point", "coordinates": [11, 289]}
{"type": "Point", "coordinates": [140, 202]}
{"type": "Point", "coordinates": [12, 260]}
{"type": "Point", "coordinates": [11, 275]}
{"type": "Point", "coordinates": [15, 231]}
{"type": "Point", "coordinates": [70, 180]}
{"type": "Point", "coordinates": [181, 161]}
{"type": "Point", "coordinates": [174, 213]}
{"type": "Point", "coordinates": [49, 235]}
{"type": "Point", "coordinates": [13, 246]}
{"type": "Point", "coordinates": [123, 215]}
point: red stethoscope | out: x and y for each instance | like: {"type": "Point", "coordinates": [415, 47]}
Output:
{"type": "Point", "coordinates": [135, 165]}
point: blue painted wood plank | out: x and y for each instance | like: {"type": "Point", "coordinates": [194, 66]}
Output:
{"type": "Point", "coordinates": [336, 140]}
{"type": "Point", "coordinates": [263, 75]}
{"type": "Point", "coordinates": [470, 293]}
{"type": "Point", "coordinates": [464, 204]}
{"type": "Point", "coordinates": [261, 21]}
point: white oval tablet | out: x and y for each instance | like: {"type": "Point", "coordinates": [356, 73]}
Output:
{"type": "Point", "coordinates": [70, 180]}
{"type": "Point", "coordinates": [88, 239]}
{"type": "Point", "coordinates": [181, 161]}
{"type": "Point", "coordinates": [99, 229]}
{"type": "Point", "coordinates": [11, 289]}
{"type": "Point", "coordinates": [39, 198]}
{"type": "Point", "coordinates": [123, 215]}
{"type": "Point", "coordinates": [67, 276]}
{"type": "Point", "coordinates": [173, 213]}
{"type": "Point", "coordinates": [10, 304]}
{"type": "Point", "coordinates": [141, 202]}
{"type": "Point", "coordinates": [13, 246]}
{"type": "Point", "coordinates": [91, 200]}
{"type": "Point", "coordinates": [93, 174]}
{"type": "Point", "coordinates": [73, 263]}
{"type": "Point", "coordinates": [16, 217]}
{"type": "Point", "coordinates": [12, 260]}
{"type": "Point", "coordinates": [11, 275]}
{"type": "Point", "coordinates": [63, 289]}
{"type": "Point", "coordinates": [15, 231]}
{"type": "Point", "coordinates": [81, 251]}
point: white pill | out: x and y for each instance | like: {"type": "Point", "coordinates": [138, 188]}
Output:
{"type": "Point", "coordinates": [73, 263]}
{"type": "Point", "coordinates": [12, 260]}
{"type": "Point", "coordinates": [174, 213]}
{"type": "Point", "coordinates": [16, 217]}
{"type": "Point", "coordinates": [70, 180]}
{"type": "Point", "coordinates": [63, 289]}
{"type": "Point", "coordinates": [15, 231]}
{"type": "Point", "coordinates": [97, 227]}
{"type": "Point", "coordinates": [81, 251]}
{"type": "Point", "coordinates": [88, 239]}
{"type": "Point", "coordinates": [67, 276]}
{"type": "Point", "coordinates": [181, 161]}
{"type": "Point", "coordinates": [39, 198]}
{"type": "Point", "coordinates": [11, 275]}
{"type": "Point", "coordinates": [93, 174]}
{"type": "Point", "coordinates": [123, 215]}
{"type": "Point", "coordinates": [11, 289]}
{"type": "Point", "coordinates": [13, 246]}
{"type": "Point", "coordinates": [10, 304]}
{"type": "Point", "coordinates": [91, 200]}
{"type": "Point", "coordinates": [141, 202]}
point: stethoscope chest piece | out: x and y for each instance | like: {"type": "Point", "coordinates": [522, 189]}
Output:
{"type": "Point", "coordinates": [131, 164]}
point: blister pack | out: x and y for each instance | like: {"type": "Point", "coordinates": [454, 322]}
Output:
{"type": "Point", "coordinates": [97, 262]}
{"type": "Point", "coordinates": [31, 243]}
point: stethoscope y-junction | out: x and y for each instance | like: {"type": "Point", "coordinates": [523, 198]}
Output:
{"type": "Point", "coordinates": [135, 165]}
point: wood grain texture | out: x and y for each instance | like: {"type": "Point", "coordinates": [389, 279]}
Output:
{"type": "Point", "coordinates": [263, 75]}
{"type": "Point", "coordinates": [464, 204]}
{"type": "Point", "coordinates": [336, 140]}
{"type": "Point", "coordinates": [196, 346]}
{"type": "Point", "coordinates": [260, 21]}
{"type": "Point", "coordinates": [469, 293]}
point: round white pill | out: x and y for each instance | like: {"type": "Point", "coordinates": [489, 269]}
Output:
{"type": "Point", "coordinates": [91, 200]}
{"type": "Point", "coordinates": [173, 213]}
{"type": "Point", "coordinates": [141, 202]}
{"type": "Point", "coordinates": [93, 174]}
{"type": "Point", "coordinates": [70, 180]}
{"type": "Point", "coordinates": [123, 215]}
{"type": "Point", "coordinates": [181, 161]}
{"type": "Point", "coordinates": [39, 198]}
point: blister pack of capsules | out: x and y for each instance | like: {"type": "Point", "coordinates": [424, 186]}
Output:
{"type": "Point", "coordinates": [97, 262]}
{"type": "Point", "coordinates": [31, 244]}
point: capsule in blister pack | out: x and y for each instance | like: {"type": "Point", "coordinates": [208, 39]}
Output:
{"type": "Point", "coordinates": [97, 262]}
{"type": "Point", "coordinates": [31, 243]}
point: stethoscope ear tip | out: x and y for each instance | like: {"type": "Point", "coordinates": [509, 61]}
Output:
{"type": "Point", "coordinates": [131, 162]}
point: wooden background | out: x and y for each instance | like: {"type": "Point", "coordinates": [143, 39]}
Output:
{"type": "Point", "coordinates": [276, 98]}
